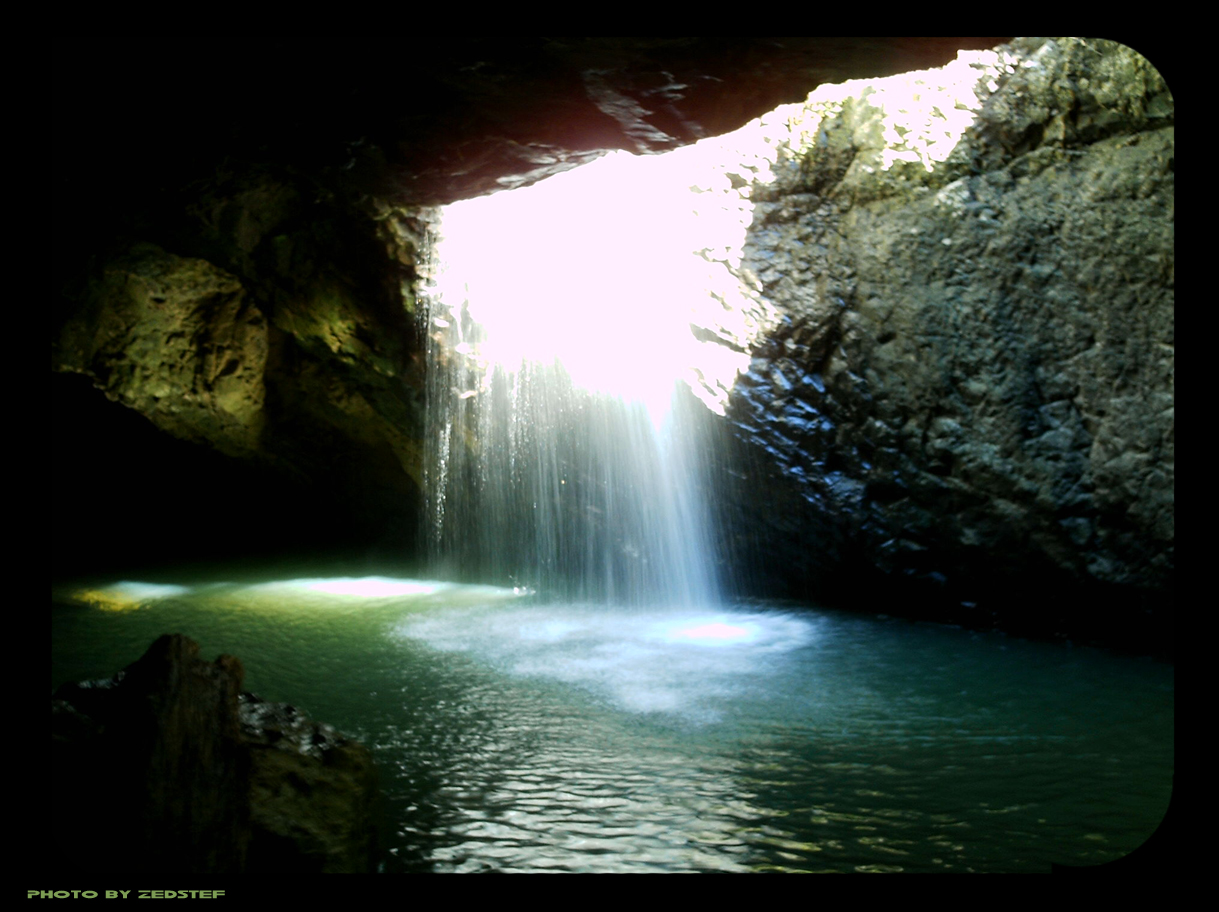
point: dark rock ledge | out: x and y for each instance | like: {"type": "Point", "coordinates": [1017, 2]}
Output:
{"type": "Point", "coordinates": [168, 768]}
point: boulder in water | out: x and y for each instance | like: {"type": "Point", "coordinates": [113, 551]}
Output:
{"type": "Point", "coordinates": [168, 767]}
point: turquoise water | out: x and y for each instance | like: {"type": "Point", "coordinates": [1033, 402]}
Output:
{"type": "Point", "coordinates": [515, 735]}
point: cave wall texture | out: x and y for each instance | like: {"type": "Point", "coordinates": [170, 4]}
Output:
{"type": "Point", "coordinates": [972, 370]}
{"type": "Point", "coordinates": [965, 397]}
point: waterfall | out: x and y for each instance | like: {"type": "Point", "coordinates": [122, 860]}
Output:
{"type": "Point", "coordinates": [561, 424]}
{"type": "Point", "coordinates": [540, 484]}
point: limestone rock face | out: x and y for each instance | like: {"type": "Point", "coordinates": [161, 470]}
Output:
{"type": "Point", "coordinates": [168, 768]}
{"type": "Point", "coordinates": [971, 380]}
{"type": "Point", "coordinates": [178, 340]}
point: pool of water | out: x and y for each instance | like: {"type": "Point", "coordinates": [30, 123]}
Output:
{"type": "Point", "coordinates": [515, 735]}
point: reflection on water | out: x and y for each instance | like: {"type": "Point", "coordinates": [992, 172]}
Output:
{"type": "Point", "coordinates": [519, 736]}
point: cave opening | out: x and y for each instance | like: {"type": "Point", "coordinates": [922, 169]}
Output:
{"type": "Point", "coordinates": [562, 315]}
{"type": "Point", "coordinates": [572, 325]}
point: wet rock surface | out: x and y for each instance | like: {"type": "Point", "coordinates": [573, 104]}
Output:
{"type": "Point", "coordinates": [168, 768]}
{"type": "Point", "coordinates": [969, 385]}
{"type": "Point", "coordinates": [313, 793]}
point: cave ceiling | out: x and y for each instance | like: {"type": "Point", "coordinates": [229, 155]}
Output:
{"type": "Point", "coordinates": [423, 120]}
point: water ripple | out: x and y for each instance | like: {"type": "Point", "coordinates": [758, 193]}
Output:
{"type": "Point", "coordinates": [522, 737]}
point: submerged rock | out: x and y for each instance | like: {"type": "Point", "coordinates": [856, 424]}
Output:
{"type": "Point", "coordinates": [168, 768]}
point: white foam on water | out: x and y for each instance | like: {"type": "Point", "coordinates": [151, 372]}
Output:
{"type": "Point", "coordinates": [685, 663]}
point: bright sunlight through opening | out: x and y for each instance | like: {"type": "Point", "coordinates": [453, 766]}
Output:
{"type": "Point", "coordinates": [597, 268]}
{"type": "Point", "coordinates": [627, 270]}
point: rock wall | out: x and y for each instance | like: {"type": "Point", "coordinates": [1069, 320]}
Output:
{"type": "Point", "coordinates": [176, 339]}
{"type": "Point", "coordinates": [970, 383]}
{"type": "Point", "coordinates": [275, 334]}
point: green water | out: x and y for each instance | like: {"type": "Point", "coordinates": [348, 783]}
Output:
{"type": "Point", "coordinates": [513, 735]}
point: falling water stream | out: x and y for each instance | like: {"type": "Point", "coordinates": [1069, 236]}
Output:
{"type": "Point", "coordinates": [562, 457]}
